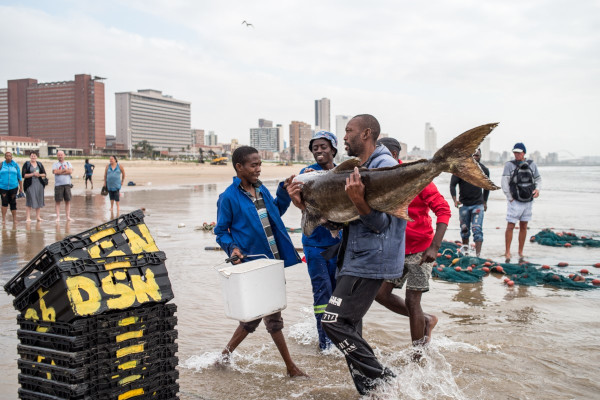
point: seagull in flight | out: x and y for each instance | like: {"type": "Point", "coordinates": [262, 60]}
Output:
{"type": "Point", "coordinates": [247, 24]}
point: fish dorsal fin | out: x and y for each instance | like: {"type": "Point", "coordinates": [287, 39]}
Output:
{"type": "Point", "coordinates": [347, 165]}
{"type": "Point", "coordinates": [400, 212]}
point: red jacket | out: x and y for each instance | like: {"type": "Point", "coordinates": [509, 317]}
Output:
{"type": "Point", "coordinates": [419, 232]}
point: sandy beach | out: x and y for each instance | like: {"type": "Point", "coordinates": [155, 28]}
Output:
{"type": "Point", "coordinates": [153, 173]}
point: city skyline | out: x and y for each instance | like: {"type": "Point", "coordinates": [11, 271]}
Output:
{"type": "Point", "coordinates": [534, 72]}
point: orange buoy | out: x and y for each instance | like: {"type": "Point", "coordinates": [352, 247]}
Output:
{"type": "Point", "coordinates": [439, 269]}
{"type": "Point", "coordinates": [455, 261]}
{"type": "Point", "coordinates": [563, 264]}
{"type": "Point", "coordinates": [448, 256]}
{"type": "Point", "coordinates": [510, 283]}
{"type": "Point", "coordinates": [499, 269]}
{"type": "Point", "coordinates": [545, 267]}
{"type": "Point", "coordinates": [584, 271]}
{"type": "Point", "coordinates": [596, 282]}
{"type": "Point", "coordinates": [579, 278]}
{"type": "Point", "coordinates": [458, 269]}
{"type": "Point", "coordinates": [485, 269]}
{"type": "Point", "coordinates": [497, 227]}
{"type": "Point", "coordinates": [568, 244]}
{"type": "Point", "coordinates": [435, 264]}
{"type": "Point", "coordinates": [597, 265]}
{"type": "Point", "coordinates": [506, 280]}
{"type": "Point", "coordinates": [439, 254]}
{"type": "Point", "coordinates": [556, 277]}
{"type": "Point", "coordinates": [487, 264]}
{"type": "Point", "coordinates": [469, 269]}
{"type": "Point", "coordinates": [571, 276]}
{"type": "Point", "coordinates": [532, 239]}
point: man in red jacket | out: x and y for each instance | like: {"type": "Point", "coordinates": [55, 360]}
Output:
{"type": "Point", "coordinates": [422, 245]}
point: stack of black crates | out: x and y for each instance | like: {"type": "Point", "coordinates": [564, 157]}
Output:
{"type": "Point", "coordinates": [94, 321]}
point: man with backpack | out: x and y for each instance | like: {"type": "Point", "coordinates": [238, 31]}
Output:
{"type": "Point", "coordinates": [521, 182]}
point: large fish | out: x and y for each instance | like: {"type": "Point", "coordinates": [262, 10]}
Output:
{"type": "Point", "coordinates": [389, 189]}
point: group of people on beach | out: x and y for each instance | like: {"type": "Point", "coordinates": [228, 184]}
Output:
{"type": "Point", "coordinates": [348, 271]}
{"type": "Point", "coordinates": [31, 180]}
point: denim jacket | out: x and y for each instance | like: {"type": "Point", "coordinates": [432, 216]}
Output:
{"type": "Point", "coordinates": [375, 247]}
{"type": "Point", "coordinates": [238, 223]}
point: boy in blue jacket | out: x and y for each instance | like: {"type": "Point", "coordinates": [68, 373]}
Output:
{"type": "Point", "coordinates": [249, 222]}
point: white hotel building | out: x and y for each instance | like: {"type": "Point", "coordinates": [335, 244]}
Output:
{"type": "Point", "coordinates": [159, 119]}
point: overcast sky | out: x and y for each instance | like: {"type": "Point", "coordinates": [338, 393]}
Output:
{"type": "Point", "coordinates": [532, 65]}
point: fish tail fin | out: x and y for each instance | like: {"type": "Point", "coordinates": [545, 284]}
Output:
{"type": "Point", "coordinates": [456, 157]}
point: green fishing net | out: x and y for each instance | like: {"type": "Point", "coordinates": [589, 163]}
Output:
{"type": "Point", "coordinates": [452, 266]}
{"type": "Point", "coordinates": [547, 237]}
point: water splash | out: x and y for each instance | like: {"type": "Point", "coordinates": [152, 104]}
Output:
{"type": "Point", "coordinates": [305, 331]}
{"type": "Point", "coordinates": [430, 378]}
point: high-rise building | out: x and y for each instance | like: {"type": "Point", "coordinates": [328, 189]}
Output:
{"type": "Point", "coordinates": [300, 135]}
{"type": "Point", "coordinates": [265, 123]}
{"type": "Point", "coordinates": [3, 112]}
{"type": "Point", "coordinates": [322, 114]}
{"type": "Point", "coordinates": [430, 139]}
{"type": "Point", "coordinates": [69, 114]}
{"type": "Point", "coordinates": [211, 139]}
{"type": "Point", "coordinates": [280, 141]}
{"type": "Point", "coordinates": [197, 137]}
{"type": "Point", "coordinates": [340, 125]}
{"type": "Point", "coordinates": [264, 139]}
{"type": "Point", "coordinates": [148, 115]}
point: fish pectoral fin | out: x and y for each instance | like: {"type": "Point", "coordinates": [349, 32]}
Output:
{"type": "Point", "coordinates": [347, 165]}
{"type": "Point", "coordinates": [309, 222]}
{"type": "Point", "coordinates": [401, 212]}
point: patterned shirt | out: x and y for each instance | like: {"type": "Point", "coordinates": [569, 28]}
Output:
{"type": "Point", "coordinates": [261, 209]}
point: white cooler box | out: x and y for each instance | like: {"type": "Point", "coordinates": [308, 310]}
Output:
{"type": "Point", "coordinates": [253, 289]}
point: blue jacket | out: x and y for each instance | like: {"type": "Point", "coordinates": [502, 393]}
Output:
{"type": "Point", "coordinates": [375, 247]}
{"type": "Point", "coordinates": [238, 224]}
{"type": "Point", "coordinates": [321, 237]}
{"type": "Point", "coordinates": [10, 175]}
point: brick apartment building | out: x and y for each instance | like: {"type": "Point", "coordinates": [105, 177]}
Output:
{"type": "Point", "coordinates": [67, 114]}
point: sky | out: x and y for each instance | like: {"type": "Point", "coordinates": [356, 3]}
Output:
{"type": "Point", "coordinates": [532, 65]}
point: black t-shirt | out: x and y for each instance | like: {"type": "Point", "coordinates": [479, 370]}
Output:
{"type": "Point", "coordinates": [470, 195]}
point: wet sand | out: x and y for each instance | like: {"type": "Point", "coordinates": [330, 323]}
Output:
{"type": "Point", "coordinates": [491, 341]}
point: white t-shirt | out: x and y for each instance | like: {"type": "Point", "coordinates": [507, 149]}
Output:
{"type": "Point", "coordinates": [60, 180]}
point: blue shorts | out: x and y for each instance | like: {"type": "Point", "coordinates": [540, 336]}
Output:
{"type": "Point", "coordinates": [114, 195]}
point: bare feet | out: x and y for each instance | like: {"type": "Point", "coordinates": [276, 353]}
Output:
{"type": "Point", "coordinates": [296, 372]}
{"type": "Point", "coordinates": [40, 219]}
{"type": "Point", "coordinates": [70, 219]}
{"type": "Point", "coordinates": [57, 219]}
{"type": "Point", "coordinates": [430, 323]}
{"type": "Point", "coordinates": [28, 220]}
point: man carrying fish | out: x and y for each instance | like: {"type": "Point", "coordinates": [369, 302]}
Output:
{"type": "Point", "coordinates": [372, 250]}
{"type": "Point", "coordinates": [374, 211]}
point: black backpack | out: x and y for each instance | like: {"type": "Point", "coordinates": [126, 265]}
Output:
{"type": "Point", "coordinates": [522, 182]}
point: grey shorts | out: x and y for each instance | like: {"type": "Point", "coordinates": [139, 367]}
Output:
{"type": "Point", "coordinates": [273, 323]}
{"type": "Point", "coordinates": [62, 192]}
{"type": "Point", "coordinates": [415, 275]}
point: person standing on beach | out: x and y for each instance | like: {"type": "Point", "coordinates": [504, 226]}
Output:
{"type": "Point", "coordinates": [422, 245]}
{"type": "Point", "coordinates": [35, 180]}
{"type": "Point", "coordinates": [114, 176]}
{"type": "Point", "coordinates": [62, 171]}
{"type": "Point", "coordinates": [249, 223]}
{"type": "Point", "coordinates": [89, 171]}
{"type": "Point", "coordinates": [521, 182]}
{"type": "Point", "coordinates": [371, 251]}
{"type": "Point", "coordinates": [10, 184]}
{"type": "Point", "coordinates": [323, 146]}
{"type": "Point", "coordinates": [473, 204]}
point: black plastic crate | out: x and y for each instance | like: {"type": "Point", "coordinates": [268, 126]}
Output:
{"type": "Point", "coordinates": [56, 373]}
{"type": "Point", "coordinates": [54, 388]}
{"type": "Point", "coordinates": [121, 234]}
{"type": "Point", "coordinates": [97, 337]}
{"type": "Point", "coordinates": [88, 287]}
{"type": "Point", "coordinates": [90, 357]}
{"type": "Point", "coordinates": [145, 314]}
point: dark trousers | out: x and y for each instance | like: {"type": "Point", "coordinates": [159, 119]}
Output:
{"type": "Point", "coordinates": [342, 322]}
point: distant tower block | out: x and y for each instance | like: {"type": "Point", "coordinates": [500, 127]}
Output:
{"type": "Point", "coordinates": [430, 138]}
{"type": "Point", "coordinates": [322, 114]}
